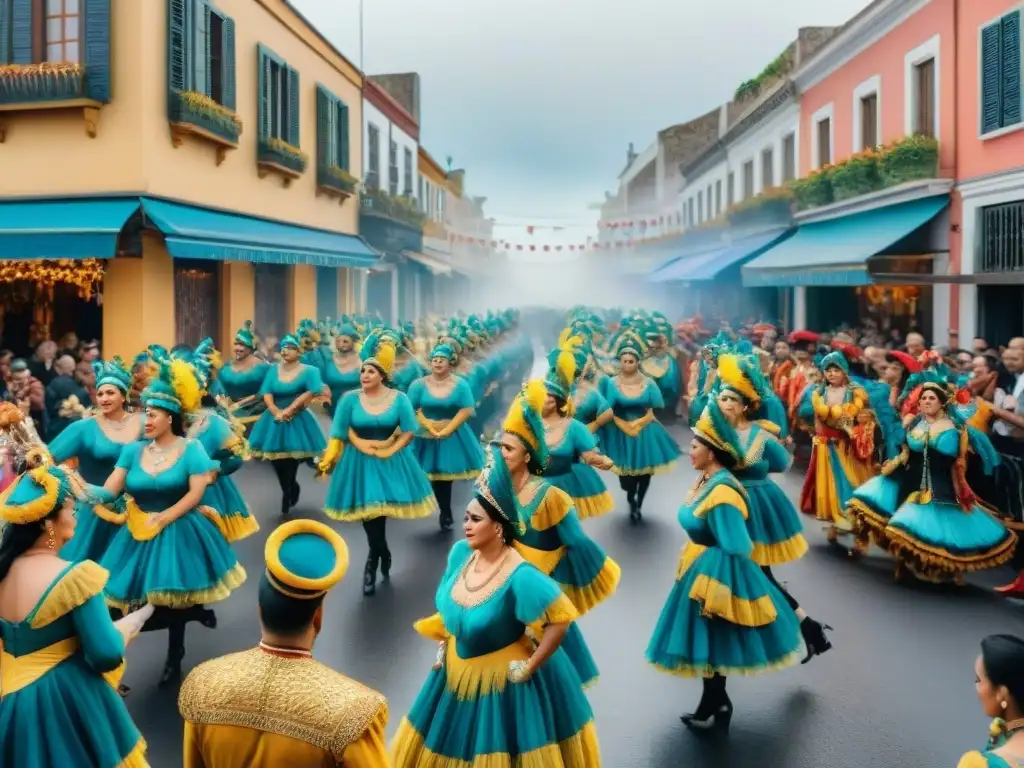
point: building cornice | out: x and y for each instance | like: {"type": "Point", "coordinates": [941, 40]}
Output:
{"type": "Point", "coordinates": [902, 193]}
{"type": "Point", "coordinates": [426, 160]}
{"type": "Point", "coordinates": [710, 156]}
{"type": "Point", "coordinates": [303, 25]}
{"type": "Point", "coordinates": [863, 30]}
{"type": "Point", "coordinates": [391, 109]}
{"type": "Point", "coordinates": [1008, 180]}
{"type": "Point", "coordinates": [640, 162]}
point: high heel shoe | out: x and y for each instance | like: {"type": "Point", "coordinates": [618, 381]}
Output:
{"type": "Point", "coordinates": [1014, 589]}
{"type": "Point", "coordinates": [385, 565]}
{"type": "Point", "coordinates": [813, 633]}
{"type": "Point", "coordinates": [370, 576]}
{"type": "Point", "coordinates": [446, 521]}
{"type": "Point", "coordinates": [717, 720]}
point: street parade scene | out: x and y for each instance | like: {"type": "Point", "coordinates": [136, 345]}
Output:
{"type": "Point", "coordinates": [350, 465]}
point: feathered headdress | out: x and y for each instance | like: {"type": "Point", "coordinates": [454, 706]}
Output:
{"type": "Point", "coordinates": [564, 367]}
{"type": "Point", "coordinates": [378, 350]}
{"type": "Point", "coordinates": [175, 387]}
{"type": "Point", "coordinates": [742, 374]}
{"type": "Point", "coordinates": [245, 336]}
{"type": "Point", "coordinates": [494, 490]}
{"type": "Point", "coordinates": [525, 422]}
{"type": "Point", "coordinates": [38, 491]}
{"type": "Point", "coordinates": [630, 343]}
{"type": "Point", "coordinates": [714, 429]}
{"type": "Point", "coordinates": [114, 373]}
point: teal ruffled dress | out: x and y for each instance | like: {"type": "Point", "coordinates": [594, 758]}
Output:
{"type": "Point", "coordinates": [984, 760]}
{"type": "Point", "coordinates": [555, 543]}
{"type": "Point", "coordinates": [228, 448]}
{"type": "Point", "coordinates": [664, 369]}
{"type": "Point", "coordinates": [364, 487]}
{"type": "Point", "coordinates": [238, 385]}
{"type": "Point", "coordinates": [187, 563]}
{"type": "Point", "coordinates": [97, 456]}
{"type": "Point", "coordinates": [409, 370]}
{"type": "Point", "coordinates": [71, 714]}
{"type": "Point", "coordinates": [459, 456]}
{"type": "Point", "coordinates": [469, 711]}
{"type": "Point", "coordinates": [653, 450]}
{"type": "Point", "coordinates": [773, 521]}
{"type": "Point", "coordinates": [300, 438]}
{"type": "Point", "coordinates": [581, 481]}
{"type": "Point", "coordinates": [591, 405]}
{"type": "Point", "coordinates": [723, 616]}
{"type": "Point", "coordinates": [338, 381]}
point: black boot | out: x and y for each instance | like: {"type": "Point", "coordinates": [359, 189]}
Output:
{"type": "Point", "coordinates": [175, 653]}
{"type": "Point", "coordinates": [813, 633]}
{"type": "Point", "coordinates": [370, 575]}
{"type": "Point", "coordinates": [446, 520]}
{"type": "Point", "coordinates": [286, 502]}
{"type": "Point", "coordinates": [294, 497]}
{"type": "Point", "coordinates": [385, 564]}
{"type": "Point", "coordinates": [715, 709]}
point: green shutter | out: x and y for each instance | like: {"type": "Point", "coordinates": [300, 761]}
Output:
{"type": "Point", "coordinates": [263, 90]}
{"type": "Point", "coordinates": [1010, 58]}
{"type": "Point", "coordinates": [5, 32]}
{"type": "Point", "coordinates": [293, 107]}
{"type": "Point", "coordinates": [201, 48]}
{"type": "Point", "coordinates": [323, 127]}
{"type": "Point", "coordinates": [177, 45]}
{"type": "Point", "coordinates": [229, 79]}
{"type": "Point", "coordinates": [21, 31]}
{"type": "Point", "coordinates": [991, 77]}
{"type": "Point", "coordinates": [97, 50]}
{"type": "Point", "coordinates": [343, 158]}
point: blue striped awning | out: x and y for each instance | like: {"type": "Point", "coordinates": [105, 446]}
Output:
{"type": "Point", "coordinates": [836, 252]}
{"type": "Point", "coordinates": [707, 266]}
{"type": "Point", "coordinates": [85, 228]}
{"type": "Point", "coordinates": [203, 233]}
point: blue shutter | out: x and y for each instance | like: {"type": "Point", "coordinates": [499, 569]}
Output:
{"type": "Point", "coordinates": [991, 77]}
{"type": "Point", "coordinates": [343, 160]}
{"type": "Point", "coordinates": [1010, 59]}
{"type": "Point", "coordinates": [97, 50]}
{"type": "Point", "coordinates": [200, 48]}
{"type": "Point", "coordinates": [21, 31]}
{"type": "Point", "coordinates": [177, 45]}
{"type": "Point", "coordinates": [230, 80]}
{"type": "Point", "coordinates": [323, 127]}
{"type": "Point", "coordinates": [263, 91]}
{"type": "Point", "coordinates": [5, 32]}
{"type": "Point", "coordinates": [293, 107]}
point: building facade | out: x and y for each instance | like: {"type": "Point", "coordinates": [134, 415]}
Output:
{"type": "Point", "coordinates": [199, 163]}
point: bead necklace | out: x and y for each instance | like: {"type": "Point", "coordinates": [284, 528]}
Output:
{"type": "Point", "coordinates": [472, 561]}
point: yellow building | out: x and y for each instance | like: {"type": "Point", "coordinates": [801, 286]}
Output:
{"type": "Point", "coordinates": [200, 152]}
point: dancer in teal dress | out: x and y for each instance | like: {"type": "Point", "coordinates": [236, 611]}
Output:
{"type": "Point", "coordinates": [572, 448]}
{"type": "Point", "coordinates": [553, 539]}
{"type": "Point", "coordinates": [663, 368]}
{"type": "Point", "coordinates": [723, 616]}
{"type": "Point", "coordinates": [62, 657]}
{"type": "Point", "coordinates": [374, 472]}
{"type": "Point", "coordinates": [749, 416]}
{"type": "Point", "coordinates": [171, 551]}
{"type": "Point", "coordinates": [504, 690]}
{"type": "Point", "coordinates": [241, 380]}
{"type": "Point", "coordinates": [287, 433]}
{"type": "Point", "coordinates": [589, 405]}
{"type": "Point", "coordinates": [96, 443]}
{"type": "Point", "coordinates": [635, 441]}
{"type": "Point", "coordinates": [445, 445]}
{"type": "Point", "coordinates": [341, 367]}
{"type": "Point", "coordinates": [999, 682]}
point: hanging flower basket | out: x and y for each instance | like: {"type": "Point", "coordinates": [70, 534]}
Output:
{"type": "Point", "coordinates": [282, 153]}
{"type": "Point", "coordinates": [910, 159]}
{"type": "Point", "coordinates": [26, 83]}
{"type": "Point", "coordinates": [856, 176]}
{"type": "Point", "coordinates": [814, 190]}
{"type": "Point", "coordinates": [336, 178]}
{"type": "Point", "coordinates": [774, 205]}
{"type": "Point", "coordinates": [396, 207]}
{"type": "Point", "coordinates": [200, 110]}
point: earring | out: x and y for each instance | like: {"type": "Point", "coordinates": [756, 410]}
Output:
{"type": "Point", "coordinates": [51, 539]}
{"type": "Point", "coordinates": [1003, 704]}
{"type": "Point", "coordinates": [497, 530]}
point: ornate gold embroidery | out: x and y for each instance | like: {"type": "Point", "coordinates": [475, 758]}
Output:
{"type": "Point", "coordinates": [298, 698]}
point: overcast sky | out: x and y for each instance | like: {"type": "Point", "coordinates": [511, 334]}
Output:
{"type": "Point", "coordinates": [538, 100]}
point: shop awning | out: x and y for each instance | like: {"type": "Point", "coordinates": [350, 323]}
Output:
{"type": "Point", "coordinates": [63, 229]}
{"type": "Point", "coordinates": [435, 266]}
{"type": "Point", "coordinates": [707, 266]}
{"type": "Point", "coordinates": [201, 233]}
{"type": "Point", "coordinates": [836, 252]}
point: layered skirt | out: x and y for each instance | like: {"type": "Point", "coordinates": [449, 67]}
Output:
{"type": "Point", "coordinates": [773, 523]}
{"type": "Point", "coordinates": [300, 438]}
{"type": "Point", "coordinates": [589, 494]}
{"type": "Point", "coordinates": [456, 457]}
{"type": "Point", "coordinates": [364, 487]}
{"type": "Point", "coordinates": [651, 452]}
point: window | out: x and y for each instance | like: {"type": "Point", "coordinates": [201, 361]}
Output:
{"type": "Point", "coordinates": [924, 95]}
{"type": "Point", "coordinates": [1001, 247]}
{"type": "Point", "coordinates": [869, 121]}
{"type": "Point", "coordinates": [332, 130]}
{"type": "Point", "coordinates": [718, 197]}
{"type": "Point", "coordinates": [393, 168]}
{"type": "Point", "coordinates": [1000, 73]}
{"type": "Point", "coordinates": [767, 169]}
{"type": "Point", "coordinates": [730, 192]}
{"type": "Point", "coordinates": [373, 153]}
{"type": "Point", "coordinates": [700, 208]}
{"type": "Point", "coordinates": [789, 158]}
{"type": "Point", "coordinates": [63, 31]}
{"type": "Point", "coordinates": [407, 175]}
{"type": "Point", "coordinates": [824, 129]}
{"type": "Point", "coordinates": [202, 50]}
{"type": "Point", "coordinates": [690, 212]}
{"type": "Point", "coordinates": [419, 196]}
{"type": "Point", "coordinates": [748, 179]}
{"type": "Point", "coordinates": [277, 118]}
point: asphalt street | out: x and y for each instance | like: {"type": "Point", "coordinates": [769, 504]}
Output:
{"type": "Point", "coordinates": [896, 690]}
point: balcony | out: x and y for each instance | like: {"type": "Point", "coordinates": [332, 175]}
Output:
{"type": "Point", "coordinates": [281, 158]}
{"type": "Point", "coordinates": [195, 114]}
{"type": "Point", "coordinates": [335, 182]}
{"type": "Point", "coordinates": [390, 224]}
{"type": "Point", "coordinates": [30, 87]}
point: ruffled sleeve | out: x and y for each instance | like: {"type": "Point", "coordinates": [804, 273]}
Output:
{"type": "Point", "coordinates": [406, 414]}
{"type": "Point", "coordinates": [342, 420]}
{"type": "Point", "coordinates": [983, 449]}
{"type": "Point", "coordinates": [463, 395]}
{"type": "Point", "coordinates": [553, 507]}
{"type": "Point", "coordinates": [68, 444]}
{"type": "Point", "coordinates": [778, 458]}
{"type": "Point", "coordinates": [197, 460]}
{"type": "Point", "coordinates": [582, 438]}
{"type": "Point", "coordinates": [539, 601]}
{"type": "Point", "coordinates": [730, 529]}
{"type": "Point", "coordinates": [415, 393]}
{"type": "Point", "coordinates": [773, 409]}
{"type": "Point", "coordinates": [314, 381]}
{"type": "Point", "coordinates": [269, 382]}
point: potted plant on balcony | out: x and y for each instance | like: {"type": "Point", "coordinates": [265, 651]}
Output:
{"type": "Point", "coordinates": [336, 179]}
{"type": "Point", "coordinates": [814, 189]}
{"type": "Point", "coordinates": [773, 205]}
{"type": "Point", "coordinates": [23, 83]}
{"type": "Point", "coordinates": [856, 176]}
{"type": "Point", "coordinates": [199, 110]}
{"type": "Point", "coordinates": [281, 153]}
{"type": "Point", "coordinates": [909, 159]}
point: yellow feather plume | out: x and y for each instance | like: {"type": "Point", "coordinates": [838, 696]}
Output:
{"type": "Point", "coordinates": [186, 386]}
{"type": "Point", "coordinates": [731, 374]}
{"type": "Point", "coordinates": [216, 361]}
{"type": "Point", "coordinates": [386, 357]}
{"type": "Point", "coordinates": [534, 395]}
{"type": "Point", "coordinates": [566, 366]}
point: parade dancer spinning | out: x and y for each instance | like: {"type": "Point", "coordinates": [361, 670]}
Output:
{"type": "Point", "coordinates": [375, 472]}
{"type": "Point", "coordinates": [287, 433]}
{"type": "Point", "coordinates": [445, 444]}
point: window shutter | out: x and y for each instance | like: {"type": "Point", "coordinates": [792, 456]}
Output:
{"type": "Point", "coordinates": [177, 60]}
{"type": "Point", "coordinates": [343, 153]}
{"type": "Point", "coordinates": [200, 49]}
{"type": "Point", "coordinates": [991, 99]}
{"type": "Point", "coordinates": [263, 94]}
{"type": "Point", "coordinates": [323, 128]}
{"type": "Point", "coordinates": [1010, 58]}
{"type": "Point", "coordinates": [21, 31]}
{"type": "Point", "coordinates": [97, 50]}
{"type": "Point", "coordinates": [5, 32]}
{"type": "Point", "coordinates": [293, 107]}
{"type": "Point", "coordinates": [228, 57]}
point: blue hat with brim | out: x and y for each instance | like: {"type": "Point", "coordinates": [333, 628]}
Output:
{"type": "Point", "coordinates": [305, 558]}
{"type": "Point", "coordinates": [35, 494]}
{"type": "Point", "coordinates": [113, 373]}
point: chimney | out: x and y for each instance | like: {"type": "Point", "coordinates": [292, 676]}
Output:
{"type": "Point", "coordinates": [630, 155]}
{"type": "Point", "coordinates": [403, 88]}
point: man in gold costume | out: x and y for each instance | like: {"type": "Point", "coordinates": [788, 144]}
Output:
{"type": "Point", "coordinates": [273, 705]}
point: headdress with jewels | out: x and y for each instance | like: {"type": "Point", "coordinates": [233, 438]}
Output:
{"type": "Point", "coordinates": [305, 558]}
{"type": "Point", "coordinates": [289, 340]}
{"type": "Point", "coordinates": [525, 422]}
{"type": "Point", "coordinates": [37, 492]}
{"type": "Point", "coordinates": [494, 490]}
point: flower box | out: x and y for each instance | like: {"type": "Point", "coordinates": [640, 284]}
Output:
{"type": "Point", "coordinates": [859, 175]}
{"type": "Point", "coordinates": [199, 110]}
{"type": "Point", "coordinates": [909, 159]}
{"type": "Point", "coordinates": [283, 155]}
{"type": "Point", "coordinates": [814, 190]}
{"type": "Point", "coordinates": [335, 179]}
{"type": "Point", "coordinates": [773, 206]}
{"type": "Point", "coordinates": [28, 83]}
{"type": "Point", "coordinates": [401, 209]}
